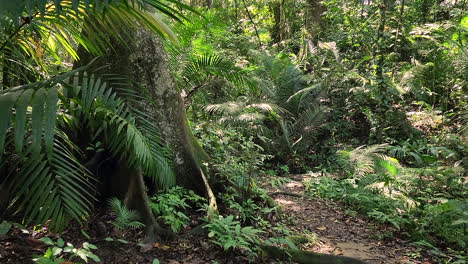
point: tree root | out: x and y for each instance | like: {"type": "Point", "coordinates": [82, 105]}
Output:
{"type": "Point", "coordinates": [306, 257]}
{"type": "Point", "coordinates": [287, 193]}
{"type": "Point", "coordinates": [212, 205]}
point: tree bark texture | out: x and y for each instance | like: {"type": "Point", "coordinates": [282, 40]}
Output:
{"type": "Point", "coordinates": [144, 61]}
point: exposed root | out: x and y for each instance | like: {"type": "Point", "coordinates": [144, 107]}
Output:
{"type": "Point", "coordinates": [288, 193]}
{"type": "Point", "coordinates": [212, 205]}
{"type": "Point", "coordinates": [306, 257]}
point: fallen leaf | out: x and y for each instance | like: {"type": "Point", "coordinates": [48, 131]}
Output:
{"type": "Point", "coordinates": [322, 228]}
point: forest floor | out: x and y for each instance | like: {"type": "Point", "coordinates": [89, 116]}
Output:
{"type": "Point", "coordinates": [339, 233]}
{"type": "Point", "coordinates": [336, 232]}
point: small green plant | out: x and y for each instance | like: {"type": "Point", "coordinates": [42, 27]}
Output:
{"type": "Point", "coordinates": [279, 182]}
{"type": "Point", "coordinates": [124, 218]}
{"type": "Point", "coordinates": [283, 170]}
{"type": "Point", "coordinates": [229, 234]}
{"type": "Point", "coordinates": [249, 211]}
{"type": "Point", "coordinates": [170, 206]}
{"type": "Point", "coordinates": [59, 252]}
{"type": "Point", "coordinates": [280, 242]}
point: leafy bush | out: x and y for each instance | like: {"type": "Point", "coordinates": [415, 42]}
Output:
{"type": "Point", "coordinates": [236, 157]}
{"type": "Point", "coordinates": [171, 205]}
{"type": "Point", "coordinates": [229, 234]}
{"type": "Point", "coordinates": [59, 252]}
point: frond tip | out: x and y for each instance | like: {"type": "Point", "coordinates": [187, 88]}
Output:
{"type": "Point", "coordinates": [124, 217]}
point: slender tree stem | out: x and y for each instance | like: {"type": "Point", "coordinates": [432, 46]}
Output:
{"type": "Point", "coordinates": [253, 23]}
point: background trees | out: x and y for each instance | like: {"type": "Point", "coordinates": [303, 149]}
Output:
{"type": "Point", "coordinates": [366, 72]}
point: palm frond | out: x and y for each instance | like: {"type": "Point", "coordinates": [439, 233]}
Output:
{"type": "Point", "coordinates": [55, 187]}
{"type": "Point", "coordinates": [51, 28]}
{"type": "Point", "coordinates": [42, 99]}
{"type": "Point", "coordinates": [129, 134]}
{"type": "Point", "coordinates": [200, 70]}
{"type": "Point", "coordinates": [124, 217]}
{"type": "Point", "coordinates": [241, 113]}
{"type": "Point", "coordinates": [309, 120]}
{"type": "Point", "coordinates": [302, 94]}
{"type": "Point", "coordinates": [362, 159]}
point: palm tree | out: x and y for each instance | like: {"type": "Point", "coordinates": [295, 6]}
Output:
{"type": "Point", "coordinates": [74, 124]}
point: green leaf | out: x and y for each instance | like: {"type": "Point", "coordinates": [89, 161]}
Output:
{"type": "Point", "coordinates": [49, 253]}
{"type": "Point", "coordinates": [123, 241]}
{"type": "Point", "coordinates": [5, 227]}
{"type": "Point", "coordinates": [89, 245]}
{"type": "Point", "coordinates": [6, 104]}
{"type": "Point", "coordinates": [37, 118]}
{"type": "Point", "coordinates": [21, 109]}
{"type": "Point", "coordinates": [68, 249]}
{"type": "Point", "coordinates": [94, 257]}
{"type": "Point", "coordinates": [60, 242]}
{"type": "Point", "coordinates": [82, 254]}
{"type": "Point", "coordinates": [56, 251]}
{"type": "Point", "coordinates": [49, 118]}
{"type": "Point", "coordinates": [47, 241]}
{"type": "Point", "coordinates": [85, 234]}
{"type": "Point", "coordinates": [155, 261]}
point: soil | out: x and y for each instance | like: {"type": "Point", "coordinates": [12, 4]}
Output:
{"type": "Point", "coordinates": [337, 233]}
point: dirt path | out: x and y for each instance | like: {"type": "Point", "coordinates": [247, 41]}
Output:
{"type": "Point", "coordinates": [338, 233]}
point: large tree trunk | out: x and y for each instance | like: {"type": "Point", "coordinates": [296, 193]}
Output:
{"type": "Point", "coordinates": [144, 61]}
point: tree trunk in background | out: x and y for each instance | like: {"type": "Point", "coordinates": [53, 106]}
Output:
{"type": "Point", "coordinates": [312, 24]}
{"type": "Point", "coordinates": [313, 17]}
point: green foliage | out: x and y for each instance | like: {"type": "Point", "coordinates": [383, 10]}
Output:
{"type": "Point", "coordinates": [278, 182]}
{"type": "Point", "coordinates": [228, 234]}
{"type": "Point", "coordinates": [248, 211]}
{"type": "Point", "coordinates": [236, 157]}
{"type": "Point", "coordinates": [171, 205]}
{"type": "Point", "coordinates": [421, 219]}
{"type": "Point", "coordinates": [425, 202]}
{"type": "Point", "coordinates": [37, 37]}
{"type": "Point", "coordinates": [60, 252]}
{"type": "Point", "coordinates": [124, 217]}
{"type": "Point", "coordinates": [48, 178]}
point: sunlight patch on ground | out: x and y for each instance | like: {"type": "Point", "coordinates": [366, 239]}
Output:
{"type": "Point", "coordinates": [293, 185]}
{"type": "Point", "coordinates": [292, 205]}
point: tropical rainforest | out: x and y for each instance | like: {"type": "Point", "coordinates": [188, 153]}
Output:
{"type": "Point", "coordinates": [235, 131]}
